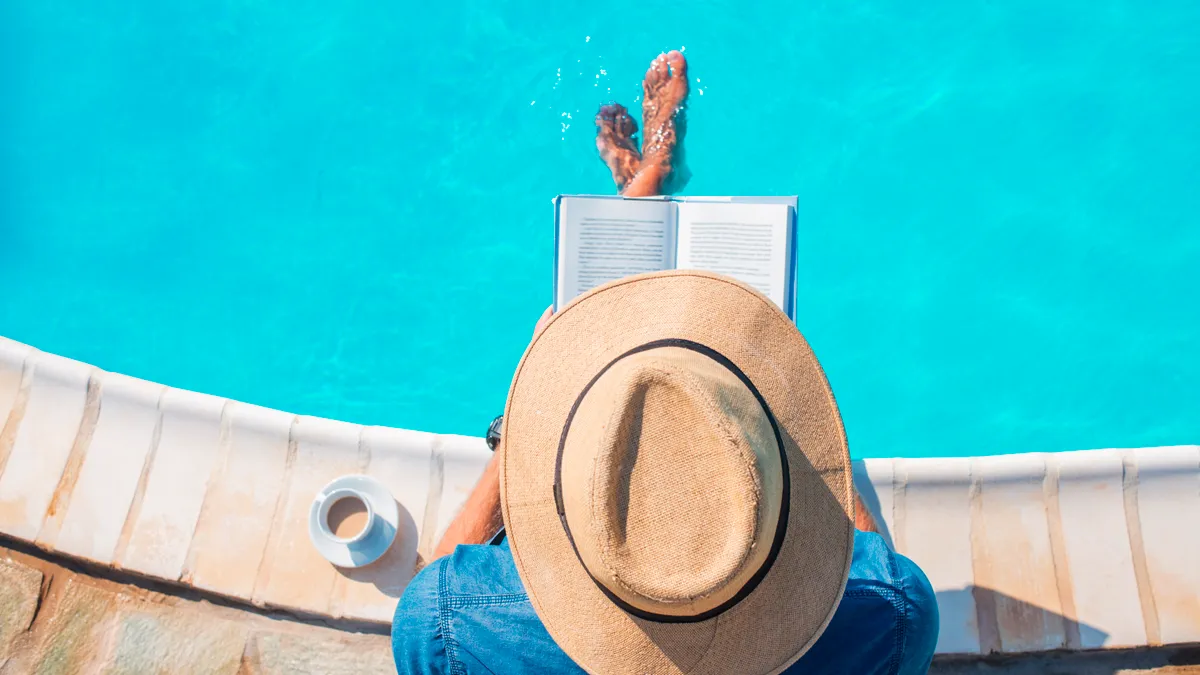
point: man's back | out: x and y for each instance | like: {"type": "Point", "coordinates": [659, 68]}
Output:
{"type": "Point", "coordinates": [468, 613]}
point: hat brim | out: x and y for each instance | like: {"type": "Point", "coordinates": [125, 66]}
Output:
{"type": "Point", "coordinates": [776, 623]}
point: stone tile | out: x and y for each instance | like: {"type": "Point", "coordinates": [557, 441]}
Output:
{"type": "Point", "coordinates": [42, 443]}
{"type": "Point", "coordinates": [295, 576]}
{"type": "Point", "coordinates": [933, 528]}
{"type": "Point", "coordinates": [235, 523]}
{"type": "Point", "coordinates": [182, 464]}
{"type": "Point", "coordinates": [463, 461]}
{"type": "Point", "coordinates": [1168, 504]}
{"type": "Point", "coordinates": [1013, 555]}
{"type": "Point", "coordinates": [111, 469]}
{"type": "Point", "coordinates": [281, 654]}
{"type": "Point", "coordinates": [162, 639]}
{"type": "Point", "coordinates": [12, 361]}
{"type": "Point", "coordinates": [1092, 513]}
{"type": "Point", "coordinates": [873, 481]}
{"type": "Point", "coordinates": [401, 461]}
{"type": "Point", "coordinates": [19, 590]}
{"type": "Point", "coordinates": [78, 636]}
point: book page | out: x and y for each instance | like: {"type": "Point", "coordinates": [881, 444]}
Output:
{"type": "Point", "coordinates": [749, 242]}
{"type": "Point", "coordinates": [600, 240]}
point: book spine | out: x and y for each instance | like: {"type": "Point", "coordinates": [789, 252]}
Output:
{"type": "Point", "coordinates": [792, 246]}
{"type": "Point", "coordinates": [554, 283]}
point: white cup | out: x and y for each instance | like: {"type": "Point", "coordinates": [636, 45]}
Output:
{"type": "Point", "coordinates": [327, 504]}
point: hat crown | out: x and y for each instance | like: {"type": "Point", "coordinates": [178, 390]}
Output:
{"type": "Point", "coordinates": [671, 481]}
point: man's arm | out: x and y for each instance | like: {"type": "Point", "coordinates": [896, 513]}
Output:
{"type": "Point", "coordinates": [480, 518]}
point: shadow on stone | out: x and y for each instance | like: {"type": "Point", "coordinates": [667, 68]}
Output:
{"type": "Point", "coordinates": [998, 622]}
{"type": "Point", "coordinates": [392, 572]}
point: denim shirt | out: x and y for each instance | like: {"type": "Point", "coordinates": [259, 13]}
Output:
{"type": "Point", "coordinates": [468, 613]}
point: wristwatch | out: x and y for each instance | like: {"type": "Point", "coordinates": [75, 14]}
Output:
{"type": "Point", "coordinates": [493, 433]}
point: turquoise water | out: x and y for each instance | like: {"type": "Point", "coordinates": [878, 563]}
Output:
{"type": "Point", "coordinates": [343, 209]}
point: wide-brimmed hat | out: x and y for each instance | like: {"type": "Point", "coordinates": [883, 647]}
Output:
{"type": "Point", "coordinates": [675, 480]}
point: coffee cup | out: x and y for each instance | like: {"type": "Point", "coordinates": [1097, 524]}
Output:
{"type": "Point", "coordinates": [345, 515]}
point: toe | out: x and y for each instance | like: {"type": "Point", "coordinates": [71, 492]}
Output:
{"type": "Point", "coordinates": [609, 112]}
{"type": "Point", "coordinates": [625, 124]}
{"type": "Point", "coordinates": [658, 71]}
{"type": "Point", "coordinates": [677, 63]}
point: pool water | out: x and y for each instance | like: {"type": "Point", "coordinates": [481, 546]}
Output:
{"type": "Point", "coordinates": [343, 209]}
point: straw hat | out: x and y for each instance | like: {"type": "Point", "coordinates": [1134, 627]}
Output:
{"type": "Point", "coordinates": [675, 480]}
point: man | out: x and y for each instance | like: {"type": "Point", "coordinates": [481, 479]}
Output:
{"type": "Point", "coordinates": [674, 482]}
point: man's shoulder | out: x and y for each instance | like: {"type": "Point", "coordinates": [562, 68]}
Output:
{"type": "Point", "coordinates": [887, 620]}
{"type": "Point", "coordinates": [875, 564]}
{"type": "Point", "coordinates": [479, 570]}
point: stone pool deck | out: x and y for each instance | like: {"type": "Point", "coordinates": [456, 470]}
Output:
{"type": "Point", "coordinates": [143, 525]}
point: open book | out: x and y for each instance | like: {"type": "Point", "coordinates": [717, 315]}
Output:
{"type": "Point", "coordinates": [601, 238]}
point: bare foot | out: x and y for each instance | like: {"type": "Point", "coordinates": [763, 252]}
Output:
{"type": "Point", "coordinates": [615, 131]}
{"type": "Point", "coordinates": [666, 90]}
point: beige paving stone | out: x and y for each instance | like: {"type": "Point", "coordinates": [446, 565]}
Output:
{"type": "Point", "coordinates": [162, 639]}
{"type": "Point", "coordinates": [278, 654]}
{"type": "Point", "coordinates": [42, 442]}
{"type": "Point", "coordinates": [78, 636]}
{"type": "Point", "coordinates": [108, 478]}
{"type": "Point", "coordinates": [235, 523]}
{"type": "Point", "coordinates": [1092, 511]}
{"type": "Point", "coordinates": [933, 528]}
{"type": "Point", "coordinates": [19, 589]}
{"type": "Point", "coordinates": [176, 482]}
{"type": "Point", "coordinates": [294, 575]}
{"type": "Point", "coordinates": [1013, 555]}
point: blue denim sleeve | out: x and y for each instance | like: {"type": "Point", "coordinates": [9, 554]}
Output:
{"type": "Point", "coordinates": [417, 641]}
{"type": "Point", "coordinates": [922, 621]}
{"type": "Point", "coordinates": [886, 623]}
